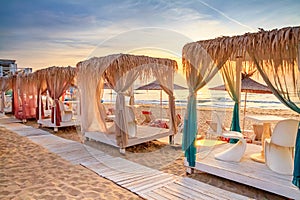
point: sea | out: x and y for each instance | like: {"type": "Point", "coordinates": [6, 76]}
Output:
{"type": "Point", "coordinates": [206, 98]}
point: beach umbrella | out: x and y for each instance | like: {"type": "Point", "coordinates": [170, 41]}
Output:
{"type": "Point", "coordinates": [248, 85]}
{"type": "Point", "coordinates": [156, 86]}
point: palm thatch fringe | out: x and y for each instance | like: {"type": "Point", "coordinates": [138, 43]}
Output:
{"type": "Point", "coordinates": [279, 47]}
{"type": "Point", "coordinates": [119, 64]}
{"type": "Point", "coordinates": [60, 73]}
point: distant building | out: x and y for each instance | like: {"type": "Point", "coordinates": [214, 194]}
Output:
{"type": "Point", "coordinates": [9, 67]}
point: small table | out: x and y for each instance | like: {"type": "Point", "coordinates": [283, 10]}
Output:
{"type": "Point", "coordinates": [266, 120]}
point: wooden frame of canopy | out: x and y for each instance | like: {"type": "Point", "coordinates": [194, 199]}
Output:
{"type": "Point", "coordinates": [120, 71]}
{"type": "Point", "coordinates": [274, 53]}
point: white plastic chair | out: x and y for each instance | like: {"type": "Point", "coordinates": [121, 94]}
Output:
{"type": "Point", "coordinates": [234, 153]}
{"type": "Point", "coordinates": [279, 149]}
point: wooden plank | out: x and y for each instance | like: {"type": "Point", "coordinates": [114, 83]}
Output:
{"type": "Point", "coordinates": [87, 159]}
{"type": "Point", "coordinates": [58, 148]}
{"type": "Point", "coordinates": [154, 196]}
{"type": "Point", "coordinates": [249, 172]}
{"type": "Point", "coordinates": [180, 195]}
{"type": "Point", "coordinates": [74, 155]}
{"type": "Point", "coordinates": [145, 180]}
{"type": "Point", "coordinates": [152, 184]}
{"type": "Point", "coordinates": [126, 177]}
{"type": "Point", "coordinates": [208, 189]}
{"type": "Point", "coordinates": [138, 177]}
{"type": "Point", "coordinates": [50, 137]}
{"type": "Point", "coordinates": [78, 161]}
{"type": "Point", "coordinates": [166, 195]}
{"type": "Point", "coordinates": [98, 159]}
{"type": "Point", "coordinates": [200, 193]}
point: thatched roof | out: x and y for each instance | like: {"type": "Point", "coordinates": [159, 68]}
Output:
{"type": "Point", "coordinates": [64, 73]}
{"type": "Point", "coordinates": [271, 46]}
{"type": "Point", "coordinates": [156, 86]}
{"type": "Point", "coordinates": [122, 63]}
{"type": "Point", "coordinates": [248, 85]}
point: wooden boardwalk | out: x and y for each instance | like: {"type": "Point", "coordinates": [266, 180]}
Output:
{"type": "Point", "coordinates": [247, 171]}
{"type": "Point", "coordinates": [144, 181]}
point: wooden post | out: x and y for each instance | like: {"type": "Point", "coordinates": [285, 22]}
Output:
{"type": "Point", "coordinates": [2, 102]}
{"type": "Point", "coordinates": [40, 106]}
{"type": "Point", "coordinates": [239, 79]}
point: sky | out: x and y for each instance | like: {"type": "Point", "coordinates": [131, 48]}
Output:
{"type": "Point", "coordinates": [44, 33]}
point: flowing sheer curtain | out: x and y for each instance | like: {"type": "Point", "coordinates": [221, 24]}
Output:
{"type": "Point", "coordinates": [41, 87]}
{"type": "Point", "coordinates": [121, 83]}
{"type": "Point", "coordinates": [90, 76]}
{"type": "Point", "coordinates": [25, 93]}
{"type": "Point", "coordinates": [281, 72]}
{"type": "Point", "coordinates": [166, 81]}
{"type": "Point", "coordinates": [58, 80]}
{"type": "Point", "coordinates": [200, 69]}
{"type": "Point", "coordinates": [228, 72]}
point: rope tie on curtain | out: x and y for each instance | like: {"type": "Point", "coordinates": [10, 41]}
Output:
{"type": "Point", "coordinates": [192, 93]}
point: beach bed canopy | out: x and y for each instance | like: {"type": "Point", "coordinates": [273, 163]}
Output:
{"type": "Point", "coordinates": [56, 80]}
{"type": "Point", "coordinates": [24, 96]}
{"type": "Point", "coordinates": [274, 53]}
{"type": "Point", "coordinates": [119, 71]}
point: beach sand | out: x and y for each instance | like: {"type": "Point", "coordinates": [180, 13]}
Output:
{"type": "Point", "coordinates": [29, 171]}
{"type": "Point", "coordinates": [153, 154]}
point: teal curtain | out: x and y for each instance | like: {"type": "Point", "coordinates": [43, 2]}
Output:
{"type": "Point", "coordinates": [200, 68]}
{"type": "Point", "coordinates": [296, 173]}
{"type": "Point", "coordinates": [235, 122]}
{"type": "Point", "coordinates": [283, 91]}
{"type": "Point", "coordinates": [190, 130]}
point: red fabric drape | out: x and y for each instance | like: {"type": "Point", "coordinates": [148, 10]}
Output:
{"type": "Point", "coordinates": [58, 80]}
{"type": "Point", "coordinates": [25, 96]}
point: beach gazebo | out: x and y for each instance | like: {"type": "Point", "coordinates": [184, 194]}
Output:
{"type": "Point", "coordinates": [55, 80]}
{"type": "Point", "coordinates": [120, 71]}
{"type": "Point", "coordinates": [24, 96]}
{"type": "Point", "coordinates": [5, 85]}
{"type": "Point", "coordinates": [274, 53]}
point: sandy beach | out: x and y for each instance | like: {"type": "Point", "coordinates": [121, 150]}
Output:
{"type": "Point", "coordinates": [30, 172]}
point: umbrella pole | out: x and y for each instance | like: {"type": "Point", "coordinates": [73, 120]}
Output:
{"type": "Point", "coordinates": [244, 111]}
{"type": "Point", "coordinates": [160, 104]}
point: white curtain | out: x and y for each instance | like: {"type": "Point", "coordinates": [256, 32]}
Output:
{"type": "Point", "coordinates": [121, 85]}
{"type": "Point", "coordinates": [166, 81]}
{"type": "Point", "coordinates": [90, 84]}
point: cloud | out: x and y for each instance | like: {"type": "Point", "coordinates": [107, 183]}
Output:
{"type": "Point", "coordinates": [52, 31]}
